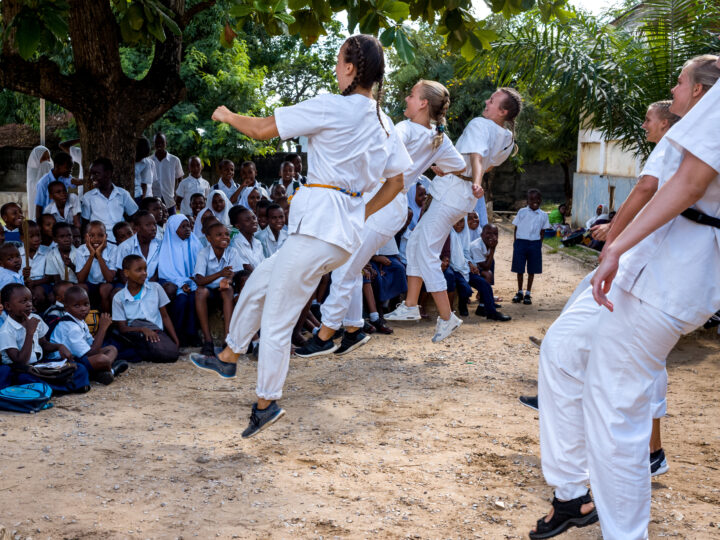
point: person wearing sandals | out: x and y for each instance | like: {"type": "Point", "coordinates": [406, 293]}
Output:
{"type": "Point", "coordinates": [598, 366]}
{"type": "Point", "coordinates": [527, 246]}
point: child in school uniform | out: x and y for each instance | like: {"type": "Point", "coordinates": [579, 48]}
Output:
{"type": "Point", "coordinates": [527, 247]}
{"type": "Point", "coordinates": [473, 228]}
{"type": "Point", "coordinates": [193, 183]}
{"type": "Point", "coordinates": [262, 217]}
{"type": "Point", "coordinates": [12, 215]}
{"type": "Point", "coordinates": [23, 341]}
{"type": "Point", "coordinates": [227, 183]}
{"type": "Point", "coordinates": [215, 271]}
{"type": "Point", "coordinates": [391, 281]}
{"type": "Point", "coordinates": [122, 230]}
{"type": "Point", "coordinates": [168, 172]}
{"type": "Point", "coordinates": [217, 205]}
{"type": "Point", "coordinates": [485, 143]}
{"type": "Point", "coordinates": [274, 235]}
{"type": "Point", "coordinates": [60, 260]}
{"type": "Point", "coordinates": [457, 274]}
{"type": "Point", "coordinates": [249, 247]}
{"type": "Point", "coordinates": [155, 206]}
{"type": "Point", "coordinates": [248, 175]}
{"type": "Point", "coordinates": [144, 170]}
{"type": "Point", "coordinates": [72, 331]}
{"type": "Point", "coordinates": [482, 273]}
{"type": "Point", "coordinates": [64, 206]}
{"type": "Point", "coordinates": [139, 312]}
{"type": "Point", "coordinates": [250, 198]}
{"type": "Point", "coordinates": [287, 178]}
{"type": "Point", "coordinates": [178, 253]}
{"type": "Point", "coordinates": [107, 202]}
{"type": "Point", "coordinates": [10, 265]}
{"type": "Point", "coordinates": [57, 309]}
{"type": "Point", "coordinates": [143, 243]}
{"type": "Point", "coordinates": [34, 273]}
{"type": "Point", "coordinates": [95, 265]}
{"type": "Point", "coordinates": [46, 223]}
{"type": "Point", "coordinates": [62, 166]}
{"type": "Point", "coordinates": [197, 205]}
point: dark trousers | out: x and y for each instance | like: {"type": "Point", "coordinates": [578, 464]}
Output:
{"type": "Point", "coordinates": [184, 318]}
{"type": "Point", "coordinates": [456, 282]}
{"type": "Point", "coordinates": [136, 348]}
{"type": "Point", "coordinates": [486, 292]}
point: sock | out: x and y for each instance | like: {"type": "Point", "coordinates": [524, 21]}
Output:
{"type": "Point", "coordinates": [374, 316]}
{"type": "Point", "coordinates": [112, 371]}
{"type": "Point", "coordinates": [315, 303]}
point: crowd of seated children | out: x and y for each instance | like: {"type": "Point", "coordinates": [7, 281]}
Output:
{"type": "Point", "coordinates": [529, 222]}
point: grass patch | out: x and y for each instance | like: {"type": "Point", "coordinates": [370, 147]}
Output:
{"type": "Point", "coordinates": [580, 252]}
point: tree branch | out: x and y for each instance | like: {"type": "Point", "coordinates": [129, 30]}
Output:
{"type": "Point", "coordinates": [194, 10]}
{"type": "Point", "coordinates": [41, 79]}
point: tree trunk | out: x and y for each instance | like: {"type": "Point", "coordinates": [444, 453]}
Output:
{"type": "Point", "coordinates": [568, 181]}
{"type": "Point", "coordinates": [487, 185]}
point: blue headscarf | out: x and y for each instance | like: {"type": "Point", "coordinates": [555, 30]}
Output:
{"type": "Point", "coordinates": [177, 256]}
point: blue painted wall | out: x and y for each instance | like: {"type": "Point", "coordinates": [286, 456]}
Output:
{"type": "Point", "coordinates": [589, 190]}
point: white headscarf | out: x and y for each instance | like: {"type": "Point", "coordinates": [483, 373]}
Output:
{"type": "Point", "coordinates": [178, 256]}
{"type": "Point", "coordinates": [35, 171]}
{"type": "Point", "coordinates": [416, 209]}
{"type": "Point", "coordinates": [221, 216]}
{"type": "Point", "coordinates": [245, 194]}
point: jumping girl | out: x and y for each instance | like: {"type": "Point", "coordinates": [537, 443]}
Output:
{"type": "Point", "coordinates": [351, 144]}
{"type": "Point", "coordinates": [485, 144]}
{"type": "Point", "coordinates": [423, 136]}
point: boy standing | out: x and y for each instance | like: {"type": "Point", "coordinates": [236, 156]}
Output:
{"type": "Point", "coordinates": [527, 247]}
{"type": "Point", "coordinates": [227, 183]}
{"type": "Point", "coordinates": [192, 184]}
{"type": "Point", "coordinates": [168, 172]}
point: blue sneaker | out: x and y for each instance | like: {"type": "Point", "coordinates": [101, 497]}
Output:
{"type": "Point", "coordinates": [213, 363]}
{"type": "Point", "coordinates": [261, 419]}
{"type": "Point", "coordinates": [529, 401]}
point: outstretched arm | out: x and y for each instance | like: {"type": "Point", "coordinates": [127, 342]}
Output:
{"type": "Point", "coordinates": [261, 129]}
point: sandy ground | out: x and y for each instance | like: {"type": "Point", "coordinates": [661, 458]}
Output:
{"type": "Point", "coordinates": [401, 439]}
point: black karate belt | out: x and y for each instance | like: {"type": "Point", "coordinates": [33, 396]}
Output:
{"type": "Point", "coordinates": [699, 217]}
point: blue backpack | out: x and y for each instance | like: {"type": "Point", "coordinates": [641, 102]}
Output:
{"type": "Point", "coordinates": [28, 398]}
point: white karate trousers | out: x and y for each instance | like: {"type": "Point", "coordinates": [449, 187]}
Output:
{"type": "Point", "coordinates": [343, 306]}
{"type": "Point", "coordinates": [596, 381]}
{"type": "Point", "coordinates": [273, 298]}
{"type": "Point", "coordinates": [426, 242]}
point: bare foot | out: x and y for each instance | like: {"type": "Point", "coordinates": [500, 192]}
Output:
{"type": "Point", "coordinates": [228, 356]}
{"type": "Point", "coordinates": [584, 510]}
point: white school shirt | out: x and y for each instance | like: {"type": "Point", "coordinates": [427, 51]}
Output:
{"type": "Point", "coordinates": [55, 266]}
{"type": "Point", "coordinates": [250, 252]}
{"type": "Point", "coordinates": [12, 336]}
{"type": "Point", "coordinates": [678, 278]}
{"type": "Point", "coordinates": [530, 223]}
{"type": "Point", "coordinates": [37, 263]}
{"type": "Point", "coordinates": [207, 263]}
{"type": "Point", "coordinates": [72, 209]}
{"type": "Point", "coordinates": [152, 297]}
{"type": "Point", "coordinates": [458, 254]}
{"type": "Point", "coordinates": [187, 188]}
{"type": "Point", "coordinates": [478, 251]}
{"type": "Point", "coordinates": [109, 254]}
{"type": "Point", "coordinates": [8, 276]}
{"type": "Point", "coordinates": [144, 175]}
{"type": "Point", "coordinates": [131, 246]}
{"type": "Point", "coordinates": [166, 171]}
{"type": "Point", "coordinates": [347, 148]}
{"type": "Point", "coordinates": [227, 190]}
{"type": "Point", "coordinates": [74, 334]}
{"type": "Point", "coordinates": [42, 196]}
{"type": "Point", "coordinates": [267, 239]}
{"type": "Point", "coordinates": [159, 233]}
{"type": "Point", "coordinates": [418, 141]}
{"type": "Point", "coordinates": [76, 155]}
{"type": "Point", "coordinates": [389, 249]}
{"type": "Point", "coordinates": [110, 210]}
{"type": "Point", "coordinates": [481, 136]}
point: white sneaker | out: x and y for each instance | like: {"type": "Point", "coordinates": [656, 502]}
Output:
{"type": "Point", "coordinates": [404, 313]}
{"type": "Point", "coordinates": [444, 328]}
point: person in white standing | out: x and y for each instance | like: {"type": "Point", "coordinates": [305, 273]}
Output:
{"type": "Point", "coordinates": [485, 144]}
{"type": "Point", "coordinates": [168, 172]}
{"type": "Point", "coordinates": [144, 170]}
{"type": "Point", "coordinates": [598, 367]}
{"type": "Point", "coordinates": [423, 134]}
{"type": "Point", "coordinates": [38, 165]}
{"type": "Point", "coordinates": [193, 183]}
{"type": "Point", "coordinates": [351, 145]}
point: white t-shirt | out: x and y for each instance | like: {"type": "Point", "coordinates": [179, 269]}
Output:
{"type": "Point", "coordinates": [267, 239]}
{"type": "Point", "coordinates": [530, 223]}
{"type": "Point", "coordinates": [418, 141]}
{"type": "Point", "coordinates": [458, 254]}
{"type": "Point", "coordinates": [55, 266]}
{"type": "Point", "coordinates": [208, 264]}
{"type": "Point", "coordinates": [481, 136]}
{"type": "Point", "coordinates": [187, 188]}
{"type": "Point", "coordinates": [110, 210]}
{"type": "Point", "coordinates": [144, 175]}
{"type": "Point", "coordinates": [95, 275]}
{"type": "Point", "coordinates": [131, 246]}
{"type": "Point", "coordinates": [74, 334]}
{"type": "Point", "coordinates": [347, 148]}
{"type": "Point", "coordinates": [76, 155]}
{"type": "Point", "coordinates": [72, 209]}
{"type": "Point", "coordinates": [227, 190]}
{"type": "Point", "coordinates": [37, 263]}
{"type": "Point", "coordinates": [478, 251]}
{"type": "Point", "coordinates": [12, 336]}
{"type": "Point", "coordinates": [8, 276]}
{"type": "Point", "coordinates": [166, 172]}
{"type": "Point", "coordinates": [250, 252]}
{"type": "Point", "coordinates": [127, 308]}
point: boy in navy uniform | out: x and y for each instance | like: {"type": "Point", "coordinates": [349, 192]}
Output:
{"type": "Point", "coordinates": [527, 247]}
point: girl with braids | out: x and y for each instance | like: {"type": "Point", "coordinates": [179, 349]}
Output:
{"type": "Point", "coordinates": [423, 136]}
{"type": "Point", "coordinates": [485, 144]}
{"type": "Point", "coordinates": [351, 145]}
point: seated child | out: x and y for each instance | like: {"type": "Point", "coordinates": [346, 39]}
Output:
{"type": "Point", "coordinates": [64, 206]}
{"type": "Point", "coordinates": [287, 178]}
{"type": "Point", "coordinates": [122, 231]}
{"type": "Point", "coordinates": [23, 341]}
{"type": "Point", "coordinates": [154, 205]}
{"type": "Point", "coordinates": [482, 269]}
{"type": "Point", "coordinates": [278, 194]}
{"type": "Point", "coordinates": [262, 216]}
{"type": "Point", "coordinates": [197, 203]}
{"type": "Point", "coordinates": [274, 235]}
{"type": "Point", "coordinates": [12, 215]}
{"type": "Point", "coordinates": [527, 247]}
{"type": "Point", "coordinates": [215, 270]}
{"type": "Point", "coordinates": [95, 265]}
{"type": "Point", "coordinates": [57, 309]}
{"type": "Point", "coordinates": [249, 247]}
{"type": "Point", "coordinates": [34, 274]}
{"type": "Point", "coordinates": [46, 222]}
{"type": "Point", "coordinates": [60, 260]}
{"type": "Point", "coordinates": [144, 243]}
{"type": "Point", "coordinates": [10, 265]}
{"type": "Point", "coordinates": [178, 254]}
{"type": "Point", "coordinates": [458, 273]}
{"type": "Point", "coordinates": [107, 202]}
{"type": "Point", "coordinates": [391, 282]}
{"type": "Point", "coordinates": [62, 167]}
{"type": "Point", "coordinates": [193, 183]}
{"type": "Point", "coordinates": [473, 226]}
{"type": "Point", "coordinates": [207, 221]}
{"type": "Point", "coordinates": [139, 312]}
{"type": "Point", "coordinates": [218, 205]}
{"type": "Point", "coordinates": [72, 331]}
{"type": "Point", "coordinates": [76, 236]}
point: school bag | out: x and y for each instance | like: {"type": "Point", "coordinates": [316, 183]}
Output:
{"type": "Point", "coordinates": [26, 398]}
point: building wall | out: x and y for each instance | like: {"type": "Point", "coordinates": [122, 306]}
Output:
{"type": "Point", "coordinates": [590, 190]}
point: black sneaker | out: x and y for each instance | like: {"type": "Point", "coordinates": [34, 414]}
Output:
{"type": "Point", "coordinates": [119, 366]}
{"type": "Point", "coordinates": [529, 401]}
{"type": "Point", "coordinates": [380, 326]}
{"type": "Point", "coordinates": [658, 463]}
{"type": "Point", "coordinates": [713, 321]}
{"type": "Point", "coordinates": [497, 316]}
{"type": "Point", "coordinates": [315, 310]}
{"type": "Point", "coordinates": [208, 349]}
{"type": "Point", "coordinates": [517, 298]}
{"type": "Point", "coordinates": [351, 341]}
{"type": "Point", "coordinates": [527, 299]}
{"type": "Point", "coordinates": [316, 347]}
{"type": "Point", "coordinates": [261, 419]}
{"type": "Point", "coordinates": [104, 377]}
{"type": "Point", "coordinates": [213, 363]}
{"type": "Point", "coordinates": [480, 311]}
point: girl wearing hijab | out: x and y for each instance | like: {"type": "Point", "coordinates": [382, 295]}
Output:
{"type": "Point", "coordinates": [39, 164]}
{"type": "Point", "coordinates": [219, 205]}
{"type": "Point", "coordinates": [178, 254]}
{"type": "Point", "coordinates": [600, 214]}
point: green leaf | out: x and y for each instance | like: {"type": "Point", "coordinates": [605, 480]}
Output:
{"type": "Point", "coordinates": [297, 4]}
{"type": "Point", "coordinates": [388, 36]}
{"type": "Point", "coordinates": [395, 10]}
{"type": "Point", "coordinates": [55, 23]}
{"type": "Point", "coordinates": [157, 31]}
{"type": "Point", "coordinates": [285, 17]}
{"type": "Point", "coordinates": [171, 24]}
{"type": "Point", "coordinates": [453, 19]}
{"type": "Point", "coordinates": [241, 10]}
{"type": "Point", "coordinates": [369, 23]}
{"type": "Point", "coordinates": [27, 37]}
{"type": "Point", "coordinates": [404, 48]}
{"type": "Point", "coordinates": [135, 16]}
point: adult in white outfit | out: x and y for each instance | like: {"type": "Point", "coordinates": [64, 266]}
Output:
{"type": "Point", "coordinates": [38, 165]}
{"type": "Point", "coordinates": [485, 144]}
{"type": "Point", "coordinates": [351, 145]}
{"type": "Point", "coordinates": [423, 136]}
{"type": "Point", "coordinates": [598, 367]}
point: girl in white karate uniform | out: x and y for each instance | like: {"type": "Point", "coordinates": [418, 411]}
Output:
{"type": "Point", "coordinates": [485, 143]}
{"type": "Point", "coordinates": [424, 138]}
{"type": "Point", "coordinates": [599, 368]}
{"type": "Point", "coordinates": [351, 145]}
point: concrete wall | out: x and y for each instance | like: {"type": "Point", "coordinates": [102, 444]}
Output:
{"type": "Point", "coordinates": [510, 186]}
{"type": "Point", "coordinates": [590, 190]}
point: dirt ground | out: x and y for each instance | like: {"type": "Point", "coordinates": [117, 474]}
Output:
{"type": "Point", "coordinates": [401, 439]}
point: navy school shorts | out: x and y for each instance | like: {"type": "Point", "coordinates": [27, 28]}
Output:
{"type": "Point", "coordinates": [527, 253]}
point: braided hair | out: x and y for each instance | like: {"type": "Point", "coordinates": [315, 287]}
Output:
{"type": "Point", "coordinates": [366, 54]}
{"type": "Point", "coordinates": [513, 105]}
{"type": "Point", "coordinates": [438, 99]}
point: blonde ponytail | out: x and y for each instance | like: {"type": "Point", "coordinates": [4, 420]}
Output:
{"type": "Point", "coordinates": [438, 99]}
